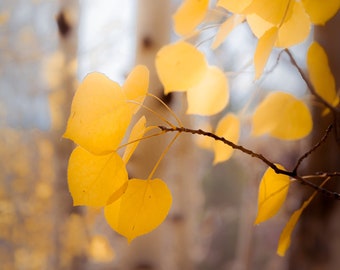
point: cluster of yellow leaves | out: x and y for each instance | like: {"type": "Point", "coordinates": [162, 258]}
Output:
{"type": "Point", "coordinates": [182, 67]}
{"type": "Point", "coordinates": [100, 115]}
{"type": "Point", "coordinates": [276, 23]}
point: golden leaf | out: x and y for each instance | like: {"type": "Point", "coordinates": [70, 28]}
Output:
{"type": "Point", "coordinates": [263, 50]}
{"type": "Point", "coordinates": [136, 86]}
{"type": "Point", "coordinates": [321, 11]}
{"type": "Point", "coordinates": [320, 74]}
{"type": "Point", "coordinates": [180, 66]}
{"type": "Point", "coordinates": [273, 11]}
{"type": "Point", "coordinates": [190, 14]}
{"type": "Point", "coordinates": [282, 116]}
{"type": "Point", "coordinates": [293, 31]}
{"type": "Point", "coordinates": [141, 209]}
{"type": "Point", "coordinates": [99, 115]}
{"type": "Point", "coordinates": [272, 194]}
{"type": "Point", "coordinates": [234, 6]}
{"type": "Point", "coordinates": [211, 93]}
{"type": "Point", "coordinates": [229, 128]}
{"type": "Point", "coordinates": [285, 237]}
{"type": "Point", "coordinates": [94, 180]}
{"type": "Point", "coordinates": [226, 28]}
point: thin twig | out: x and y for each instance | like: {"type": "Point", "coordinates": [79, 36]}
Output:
{"type": "Point", "coordinates": [317, 145]}
{"type": "Point", "coordinates": [292, 174]}
{"type": "Point", "coordinates": [308, 83]}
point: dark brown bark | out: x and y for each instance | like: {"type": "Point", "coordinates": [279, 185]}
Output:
{"type": "Point", "coordinates": [316, 243]}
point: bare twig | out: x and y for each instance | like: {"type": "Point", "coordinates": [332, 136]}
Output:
{"type": "Point", "coordinates": [308, 83]}
{"type": "Point", "coordinates": [317, 145]}
{"type": "Point", "coordinates": [292, 174]}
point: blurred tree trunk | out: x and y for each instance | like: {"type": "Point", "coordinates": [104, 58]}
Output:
{"type": "Point", "coordinates": [172, 245]}
{"type": "Point", "coordinates": [38, 51]}
{"type": "Point", "coordinates": [316, 243]}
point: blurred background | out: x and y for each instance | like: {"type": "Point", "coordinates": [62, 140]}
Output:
{"type": "Point", "coordinates": [46, 48]}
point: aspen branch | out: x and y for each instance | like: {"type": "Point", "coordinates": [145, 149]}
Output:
{"type": "Point", "coordinates": [316, 146]}
{"type": "Point", "coordinates": [292, 174]}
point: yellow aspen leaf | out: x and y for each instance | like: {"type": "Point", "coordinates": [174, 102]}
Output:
{"type": "Point", "coordinates": [282, 116]}
{"type": "Point", "coordinates": [99, 115]}
{"type": "Point", "coordinates": [226, 28]}
{"type": "Point", "coordinates": [136, 86]}
{"type": "Point", "coordinates": [285, 237]}
{"type": "Point", "coordinates": [94, 180]}
{"type": "Point", "coordinates": [180, 66]}
{"type": "Point", "coordinates": [190, 14]}
{"type": "Point", "coordinates": [234, 6]}
{"type": "Point", "coordinates": [321, 11]}
{"type": "Point", "coordinates": [142, 208]}
{"type": "Point", "coordinates": [211, 93]}
{"type": "Point", "coordinates": [263, 50]}
{"type": "Point", "coordinates": [293, 31]}
{"type": "Point", "coordinates": [229, 128]}
{"type": "Point", "coordinates": [137, 132]}
{"type": "Point", "coordinates": [273, 11]}
{"type": "Point", "coordinates": [320, 73]}
{"type": "Point", "coordinates": [272, 194]}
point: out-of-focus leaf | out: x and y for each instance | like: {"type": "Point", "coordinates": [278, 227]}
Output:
{"type": "Point", "coordinates": [282, 116]}
{"type": "Point", "coordinates": [273, 11]}
{"type": "Point", "coordinates": [226, 28]}
{"type": "Point", "coordinates": [94, 180]}
{"type": "Point", "coordinates": [321, 11]}
{"type": "Point", "coordinates": [190, 14]}
{"type": "Point", "coordinates": [293, 31]}
{"type": "Point", "coordinates": [285, 237]}
{"type": "Point", "coordinates": [263, 50]}
{"type": "Point", "coordinates": [229, 128]}
{"type": "Point", "coordinates": [272, 194]}
{"type": "Point", "coordinates": [141, 209]}
{"type": "Point", "coordinates": [234, 6]}
{"type": "Point", "coordinates": [137, 132]}
{"type": "Point", "coordinates": [136, 86]}
{"type": "Point", "coordinates": [320, 73]}
{"type": "Point", "coordinates": [211, 93]}
{"type": "Point", "coordinates": [99, 115]}
{"type": "Point", "coordinates": [180, 66]}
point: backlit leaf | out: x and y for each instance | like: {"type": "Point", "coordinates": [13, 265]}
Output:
{"type": "Point", "coordinates": [234, 6]}
{"type": "Point", "coordinates": [226, 28]}
{"type": "Point", "coordinates": [211, 93]}
{"type": "Point", "coordinates": [263, 50]}
{"type": "Point", "coordinates": [272, 194]}
{"type": "Point", "coordinates": [136, 86]}
{"type": "Point", "coordinates": [293, 31]}
{"type": "Point", "coordinates": [180, 66]}
{"type": "Point", "coordinates": [137, 132]}
{"type": "Point", "coordinates": [273, 11]}
{"type": "Point", "coordinates": [190, 14]}
{"type": "Point", "coordinates": [285, 237]}
{"type": "Point", "coordinates": [93, 180]}
{"type": "Point", "coordinates": [320, 73]}
{"type": "Point", "coordinates": [321, 11]}
{"type": "Point", "coordinates": [229, 128]}
{"type": "Point", "coordinates": [99, 115]}
{"type": "Point", "coordinates": [282, 116]}
{"type": "Point", "coordinates": [141, 209]}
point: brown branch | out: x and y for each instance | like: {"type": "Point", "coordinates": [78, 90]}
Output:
{"type": "Point", "coordinates": [317, 145]}
{"type": "Point", "coordinates": [309, 84]}
{"type": "Point", "coordinates": [292, 174]}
